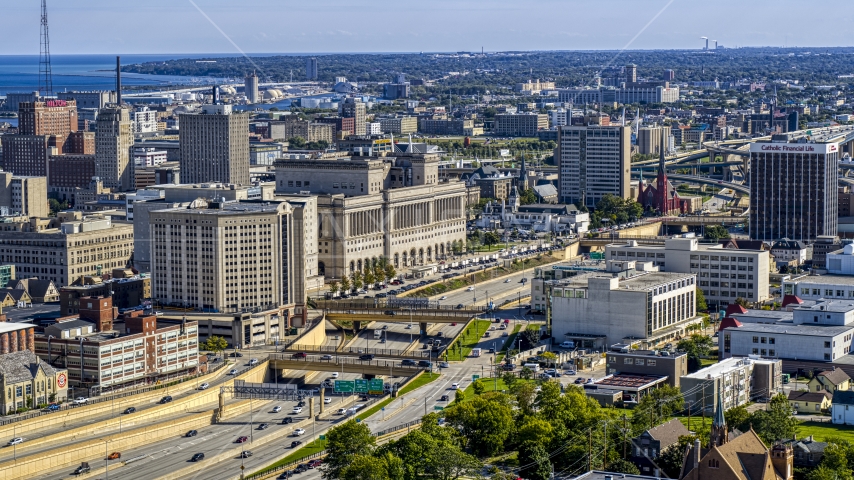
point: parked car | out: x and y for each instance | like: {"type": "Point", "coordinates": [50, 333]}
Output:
{"type": "Point", "coordinates": [192, 433]}
{"type": "Point", "coordinates": [198, 457]}
{"type": "Point", "coordinates": [204, 386]}
{"type": "Point", "coordinates": [80, 400]}
{"type": "Point", "coordinates": [236, 354]}
{"type": "Point", "coordinates": [129, 410]}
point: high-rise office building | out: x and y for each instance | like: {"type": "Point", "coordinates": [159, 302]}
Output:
{"type": "Point", "coordinates": [44, 126]}
{"type": "Point", "coordinates": [793, 188]}
{"type": "Point", "coordinates": [311, 68]}
{"type": "Point", "coordinates": [197, 242]}
{"type": "Point", "coordinates": [669, 75]}
{"type": "Point", "coordinates": [23, 195]}
{"type": "Point", "coordinates": [631, 73]}
{"type": "Point", "coordinates": [593, 161]}
{"type": "Point", "coordinates": [113, 143]}
{"type": "Point", "coordinates": [215, 146]}
{"type": "Point", "coordinates": [250, 85]}
{"type": "Point", "coordinates": [47, 117]}
{"type": "Point", "coordinates": [355, 109]}
{"type": "Point", "coordinates": [650, 138]}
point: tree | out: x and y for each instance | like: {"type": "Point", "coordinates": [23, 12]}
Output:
{"type": "Point", "coordinates": [344, 443]}
{"type": "Point", "coordinates": [696, 346]}
{"type": "Point", "coordinates": [56, 206]}
{"type": "Point", "coordinates": [535, 430]}
{"type": "Point", "coordinates": [215, 344]}
{"type": "Point", "coordinates": [738, 417]}
{"type": "Point", "coordinates": [623, 466]}
{"type": "Point", "coordinates": [535, 462]}
{"type": "Point", "coordinates": [356, 280]}
{"type": "Point", "coordinates": [509, 380]}
{"type": "Point", "coordinates": [296, 142]}
{"type": "Point", "coordinates": [485, 422]}
{"type": "Point", "coordinates": [491, 238]}
{"type": "Point", "coordinates": [655, 406]}
{"type": "Point", "coordinates": [527, 197]}
{"type": "Point", "coordinates": [390, 272]}
{"type": "Point", "coordinates": [334, 287]}
{"type": "Point", "coordinates": [742, 302]}
{"type": "Point", "coordinates": [364, 467]}
{"type": "Point", "coordinates": [775, 423]}
{"type": "Point", "coordinates": [701, 305]}
{"type": "Point", "coordinates": [716, 232]}
{"type": "Point", "coordinates": [369, 277]}
{"type": "Point", "coordinates": [448, 462]}
{"type": "Point", "coordinates": [345, 284]}
{"type": "Point", "coordinates": [478, 387]}
{"type": "Point", "coordinates": [525, 394]}
{"type": "Point", "coordinates": [670, 460]}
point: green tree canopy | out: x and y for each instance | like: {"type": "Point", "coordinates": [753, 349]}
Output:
{"type": "Point", "coordinates": [344, 443]}
{"type": "Point", "coordinates": [215, 344]}
{"type": "Point", "coordinates": [716, 232]}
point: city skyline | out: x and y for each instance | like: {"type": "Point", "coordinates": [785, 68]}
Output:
{"type": "Point", "coordinates": [216, 26]}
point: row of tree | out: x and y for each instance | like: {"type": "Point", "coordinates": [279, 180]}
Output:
{"type": "Point", "coordinates": [378, 270]}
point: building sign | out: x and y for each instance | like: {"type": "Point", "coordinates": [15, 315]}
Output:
{"type": "Point", "coordinates": [61, 380]}
{"type": "Point", "coordinates": [819, 148]}
{"type": "Point", "coordinates": [56, 103]}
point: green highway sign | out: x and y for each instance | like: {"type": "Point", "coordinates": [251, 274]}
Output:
{"type": "Point", "coordinates": [344, 386]}
{"type": "Point", "coordinates": [438, 408]}
{"type": "Point", "coordinates": [361, 386]}
{"type": "Point", "coordinates": [375, 385]}
{"type": "Point", "coordinates": [323, 437]}
{"type": "Point", "coordinates": [474, 377]}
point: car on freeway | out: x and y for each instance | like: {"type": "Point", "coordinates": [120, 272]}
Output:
{"type": "Point", "coordinates": [166, 399]}
{"type": "Point", "coordinates": [334, 375]}
{"type": "Point", "coordinates": [301, 403]}
{"type": "Point", "coordinates": [327, 400]}
{"type": "Point", "coordinates": [299, 355]}
{"type": "Point", "coordinates": [232, 372]}
{"type": "Point", "coordinates": [287, 420]}
{"type": "Point", "coordinates": [443, 297]}
{"type": "Point", "coordinates": [295, 443]}
{"type": "Point", "coordinates": [297, 410]}
{"type": "Point", "coordinates": [129, 410]}
{"type": "Point", "coordinates": [198, 457]}
{"type": "Point", "coordinates": [204, 386]}
{"type": "Point", "coordinates": [245, 454]}
{"type": "Point", "coordinates": [15, 441]}
{"type": "Point", "coordinates": [443, 398]}
{"type": "Point", "coordinates": [315, 463]}
{"type": "Point", "coordinates": [299, 431]}
{"type": "Point", "coordinates": [326, 357]}
{"type": "Point", "coordinates": [444, 365]}
{"type": "Point", "coordinates": [507, 281]}
{"type": "Point", "coordinates": [460, 306]}
{"type": "Point", "coordinates": [53, 407]}
{"type": "Point", "coordinates": [408, 326]}
{"type": "Point", "coordinates": [114, 456]}
{"type": "Point", "coordinates": [264, 426]}
{"type": "Point", "coordinates": [242, 439]}
{"type": "Point", "coordinates": [80, 400]}
{"type": "Point", "coordinates": [277, 409]}
{"type": "Point", "coordinates": [366, 357]}
{"type": "Point", "coordinates": [470, 289]}
{"type": "Point", "coordinates": [407, 363]}
{"type": "Point", "coordinates": [342, 411]}
{"type": "Point", "coordinates": [253, 362]}
{"type": "Point", "coordinates": [83, 468]}
{"type": "Point", "coordinates": [192, 433]}
{"type": "Point", "coordinates": [455, 386]}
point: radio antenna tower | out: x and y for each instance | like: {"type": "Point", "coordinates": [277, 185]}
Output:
{"type": "Point", "coordinates": [45, 74]}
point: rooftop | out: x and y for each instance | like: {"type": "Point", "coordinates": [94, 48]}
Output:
{"type": "Point", "coordinates": [630, 382]}
{"type": "Point", "coordinates": [637, 280]}
{"type": "Point", "coordinates": [840, 306]}
{"type": "Point", "coordinates": [824, 279]}
{"type": "Point", "coordinates": [21, 366]}
{"type": "Point", "coordinates": [6, 327]}
{"type": "Point", "coordinates": [724, 366]}
{"type": "Point", "coordinates": [791, 329]}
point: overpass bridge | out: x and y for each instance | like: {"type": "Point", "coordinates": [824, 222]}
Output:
{"type": "Point", "coordinates": [677, 165]}
{"type": "Point", "coordinates": [694, 220]}
{"type": "Point", "coordinates": [343, 364]}
{"type": "Point", "coordinates": [704, 180]}
{"type": "Point", "coordinates": [603, 241]}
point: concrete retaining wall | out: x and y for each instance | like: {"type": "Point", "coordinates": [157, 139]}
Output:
{"type": "Point", "coordinates": [29, 466]}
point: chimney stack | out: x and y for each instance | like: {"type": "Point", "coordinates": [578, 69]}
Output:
{"type": "Point", "coordinates": [118, 80]}
{"type": "Point", "coordinates": [697, 452]}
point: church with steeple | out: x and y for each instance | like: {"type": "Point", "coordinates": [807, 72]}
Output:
{"type": "Point", "coordinates": [661, 196]}
{"type": "Point", "coordinates": [736, 456]}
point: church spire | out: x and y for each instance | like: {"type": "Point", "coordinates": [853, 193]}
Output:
{"type": "Point", "coordinates": [719, 430]}
{"type": "Point", "coordinates": [661, 151]}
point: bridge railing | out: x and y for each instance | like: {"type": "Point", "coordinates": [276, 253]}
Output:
{"type": "Point", "coordinates": [333, 350]}
{"type": "Point", "coordinates": [339, 360]}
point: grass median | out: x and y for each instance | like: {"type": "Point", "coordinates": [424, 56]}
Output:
{"type": "Point", "coordinates": [469, 339]}
{"type": "Point", "coordinates": [303, 452]}
{"type": "Point", "coordinates": [419, 382]}
{"type": "Point", "coordinates": [508, 344]}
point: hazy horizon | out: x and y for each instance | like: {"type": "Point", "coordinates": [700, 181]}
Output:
{"type": "Point", "coordinates": [265, 27]}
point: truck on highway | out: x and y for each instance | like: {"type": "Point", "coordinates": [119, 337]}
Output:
{"type": "Point", "coordinates": [378, 333]}
{"type": "Point", "coordinates": [475, 352]}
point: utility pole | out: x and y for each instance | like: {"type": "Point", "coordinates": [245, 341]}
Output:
{"type": "Point", "coordinates": [605, 449]}
{"type": "Point", "coordinates": [703, 407]}
{"type": "Point", "coordinates": [626, 435]}
{"type": "Point", "coordinates": [590, 449]}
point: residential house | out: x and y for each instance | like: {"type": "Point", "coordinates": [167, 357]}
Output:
{"type": "Point", "coordinates": [808, 452]}
{"type": "Point", "coordinates": [649, 445]}
{"type": "Point", "coordinates": [830, 381]}
{"type": "Point", "coordinates": [789, 252]}
{"type": "Point", "coordinates": [809, 402]}
{"type": "Point", "coordinates": [40, 291]}
{"type": "Point", "coordinates": [14, 297]}
{"type": "Point", "coordinates": [842, 410]}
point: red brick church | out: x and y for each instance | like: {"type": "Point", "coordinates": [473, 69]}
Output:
{"type": "Point", "coordinates": [661, 196]}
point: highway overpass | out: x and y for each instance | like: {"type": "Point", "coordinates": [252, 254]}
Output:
{"type": "Point", "coordinates": [343, 365]}
{"type": "Point", "coordinates": [704, 180]}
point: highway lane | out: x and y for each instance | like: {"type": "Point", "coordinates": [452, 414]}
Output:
{"type": "Point", "coordinates": [496, 289]}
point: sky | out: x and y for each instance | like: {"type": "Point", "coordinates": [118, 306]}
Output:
{"type": "Point", "coordinates": [318, 26]}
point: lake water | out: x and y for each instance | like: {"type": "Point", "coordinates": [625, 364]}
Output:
{"type": "Point", "coordinates": [20, 73]}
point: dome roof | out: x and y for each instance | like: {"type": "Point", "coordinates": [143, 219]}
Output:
{"type": "Point", "coordinates": [848, 249]}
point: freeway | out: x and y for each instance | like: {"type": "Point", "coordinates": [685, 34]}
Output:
{"type": "Point", "coordinates": [496, 289]}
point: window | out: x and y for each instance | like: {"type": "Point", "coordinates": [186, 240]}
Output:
{"type": "Point", "coordinates": [755, 339]}
{"type": "Point", "coordinates": [756, 351]}
{"type": "Point", "coordinates": [639, 361]}
{"type": "Point", "coordinates": [772, 353]}
{"type": "Point", "coordinates": [771, 340]}
{"type": "Point", "coordinates": [628, 361]}
{"type": "Point", "coordinates": [650, 363]}
{"type": "Point", "coordinates": [826, 344]}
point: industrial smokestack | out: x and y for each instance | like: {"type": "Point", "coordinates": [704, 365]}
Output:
{"type": "Point", "coordinates": [118, 80]}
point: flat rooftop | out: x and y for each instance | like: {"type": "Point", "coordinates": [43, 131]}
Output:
{"type": "Point", "coordinates": [637, 281]}
{"type": "Point", "coordinates": [791, 329]}
{"type": "Point", "coordinates": [6, 327]}
{"type": "Point", "coordinates": [230, 208]}
{"type": "Point", "coordinates": [629, 382]}
{"type": "Point", "coordinates": [840, 306]}
{"type": "Point", "coordinates": [824, 279]}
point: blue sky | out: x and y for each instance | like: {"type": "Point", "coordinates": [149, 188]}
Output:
{"type": "Point", "coordinates": [268, 26]}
